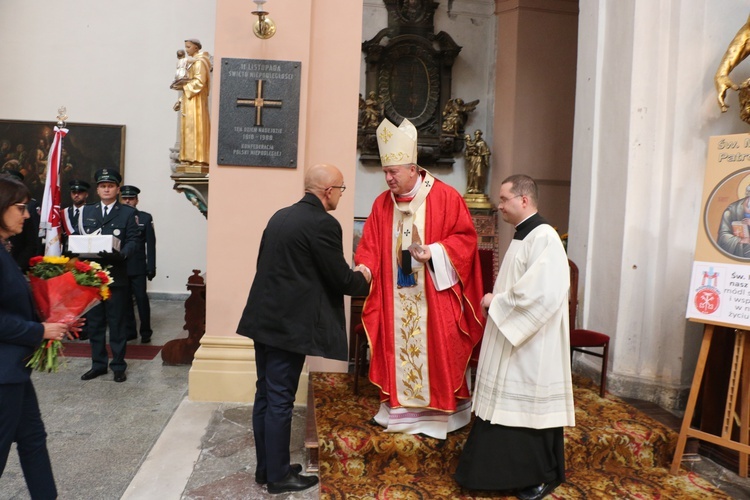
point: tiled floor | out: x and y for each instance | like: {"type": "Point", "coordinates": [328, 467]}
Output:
{"type": "Point", "coordinates": [144, 440]}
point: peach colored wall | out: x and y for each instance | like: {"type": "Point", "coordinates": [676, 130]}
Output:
{"type": "Point", "coordinates": [534, 101]}
{"type": "Point", "coordinates": [243, 198]}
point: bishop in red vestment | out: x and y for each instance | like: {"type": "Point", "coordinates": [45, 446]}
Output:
{"type": "Point", "coordinates": [422, 314]}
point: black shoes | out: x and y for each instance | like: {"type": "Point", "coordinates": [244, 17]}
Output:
{"type": "Point", "coordinates": [92, 374]}
{"type": "Point", "coordinates": [261, 478]}
{"type": "Point", "coordinates": [536, 492]}
{"type": "Point", "coordinates": [146, 340]}
{"type": "Point", "coordinates": [292, 482]}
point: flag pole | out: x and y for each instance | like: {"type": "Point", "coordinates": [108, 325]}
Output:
{"type": "Point", "coordinates": [50, 220]}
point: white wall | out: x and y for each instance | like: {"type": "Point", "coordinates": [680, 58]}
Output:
{"type": "Point", "coordinates": [471, 24]}
{"type": "Point", "coordinates": [645, 108]}
{"type": "Point", "coordinates": [112, 63]}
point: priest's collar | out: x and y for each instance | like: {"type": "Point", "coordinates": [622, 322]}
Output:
{"type": "Point", "coordinates": [411, 194]}
{"type": "Point", "coordinates": [527, 225]}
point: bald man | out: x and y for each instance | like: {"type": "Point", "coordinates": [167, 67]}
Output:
{"type": "Point", "coordinates": [296, 308]}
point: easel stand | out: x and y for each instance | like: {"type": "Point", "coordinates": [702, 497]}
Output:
{"type": "Point", "coordinates": [739, 379]}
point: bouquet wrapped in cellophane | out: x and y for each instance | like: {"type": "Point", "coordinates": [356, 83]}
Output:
{"type": "Point", "coordinates": [64, 289]}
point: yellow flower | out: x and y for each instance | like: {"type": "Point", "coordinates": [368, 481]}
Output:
{"type": "Point", "coordinates": [104, 292]}
{"type": "Point", "coordinates": [95, 265]}
{"type": "Point", "coordinates": [52, 259]}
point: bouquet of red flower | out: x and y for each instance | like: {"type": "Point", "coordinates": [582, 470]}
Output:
{"type": "Point", "coordinates": [64, 290]}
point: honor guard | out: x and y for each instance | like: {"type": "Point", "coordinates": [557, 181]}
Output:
{"type": "Point", "coordinates": [79, 193]}
{"type": "Point", "coordinates": [141, 266]}
{"type": "Point", "coordinates": [110, 217]}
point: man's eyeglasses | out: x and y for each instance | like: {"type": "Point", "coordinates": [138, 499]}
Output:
{"type": "Point", "coordinates": [504, 200]}
{"type": "Point", "coordinates": [23, 207]}
{"type": "Point", "coordinates": [342, 188]}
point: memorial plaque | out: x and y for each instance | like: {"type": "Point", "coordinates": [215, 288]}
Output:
{"type": "Point", "coordinates": [259, 113]}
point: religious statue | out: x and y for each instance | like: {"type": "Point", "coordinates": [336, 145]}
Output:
{"type": "Point", "coordinates": [477, 167]}
{"type": "Point", "coordinates": [181, 73]}
{"type": "Point", "coordinates": [738, 50]}
{"type": "Point", "coordinates": [455, 114]}
{"type": "Point", "coordinates": [193, 107]}
{"type": "Point", "coordinates": [372, 112]}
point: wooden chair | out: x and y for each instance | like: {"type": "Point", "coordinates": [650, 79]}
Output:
{"type": "Point", "coordinates": [359, 337]}
{"type": "Point", "coordinates": [584, 340]}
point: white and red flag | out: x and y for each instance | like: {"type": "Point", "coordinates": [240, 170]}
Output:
{"type": "Point", "coordinates": [50, 221]}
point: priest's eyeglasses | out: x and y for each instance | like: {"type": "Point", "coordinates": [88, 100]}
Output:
{"type": "Point", "coordinates": [23, 207]}
{"type": "Point", "coordinates": [504, 200]}
{"type": "Point", "coordinates": [342, 188]}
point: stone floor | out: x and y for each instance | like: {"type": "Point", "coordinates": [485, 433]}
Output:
{"type": "Point", "coordinates": [143, 439]}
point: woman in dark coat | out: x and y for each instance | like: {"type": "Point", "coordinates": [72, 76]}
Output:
{"type": "Point", "coordinates": [20, 333]}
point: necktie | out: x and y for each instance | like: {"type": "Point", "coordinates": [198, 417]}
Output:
{"type": "Point", "coordinates": [75, 218]}
{"type": "Point", "coordinates": [106, 208]}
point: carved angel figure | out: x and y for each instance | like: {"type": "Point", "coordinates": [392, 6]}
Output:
{"type": "Point", "coordinates": [373, 111]}
{"type": "Point", "coordinates": [455, 114]}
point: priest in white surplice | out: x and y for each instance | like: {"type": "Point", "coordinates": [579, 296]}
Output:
{"type": "Point", "coordinates": [524, 393]}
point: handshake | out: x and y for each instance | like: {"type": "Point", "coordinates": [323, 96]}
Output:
{"type": "Point", "coordinates": [366, 272]}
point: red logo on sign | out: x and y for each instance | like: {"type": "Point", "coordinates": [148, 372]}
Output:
{"type": "Point", "coordinates": [707, 300]}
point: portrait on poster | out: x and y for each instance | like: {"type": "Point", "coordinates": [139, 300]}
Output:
{"type": "Point", "coordinates": [720, 281]}
{"type": "Point", "coordinates": [727, 216]}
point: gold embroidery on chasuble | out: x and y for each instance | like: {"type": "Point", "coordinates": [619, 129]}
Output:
{"type": "Point", "coordinates": [410, 305]}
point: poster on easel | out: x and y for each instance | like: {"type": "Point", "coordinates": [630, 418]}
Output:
{"type": "Point", "coordinates": [720, 282]}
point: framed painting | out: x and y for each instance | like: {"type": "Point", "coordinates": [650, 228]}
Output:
{"type": "Point", "coordinates": [24, 146]}
{"type": "Point", "coordinates": [359, 226]}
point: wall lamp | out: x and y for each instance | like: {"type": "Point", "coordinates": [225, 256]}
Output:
{"type": "Point", "coordinates": [264, 28]}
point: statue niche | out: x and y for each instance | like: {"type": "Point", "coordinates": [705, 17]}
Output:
{"type": "Point", "coordinates": [408, 75]}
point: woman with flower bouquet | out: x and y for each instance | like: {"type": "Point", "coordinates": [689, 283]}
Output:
{"type": "Point", "coordinates": [64, 289]}
{"type": "Point", "coordinates": [20, 333]}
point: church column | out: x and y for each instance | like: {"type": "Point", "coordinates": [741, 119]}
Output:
{"type": "Point", "coordinates": [534, 101]}
{"type": "Point", "coordinates": [244, 198]}
{"type": "Point", "coordinates": [644, 111]}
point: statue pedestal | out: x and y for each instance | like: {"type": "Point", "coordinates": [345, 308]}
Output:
{"type": "Point", "coordinates": [185, 168]}
{"type": "Point", "coordinates": [477, 201]}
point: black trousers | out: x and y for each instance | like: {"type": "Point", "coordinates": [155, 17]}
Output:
{"type": "Point", "coordinates": [278, 378]}
{"type": "Point", "coordinates": [110, 313]}
{"type": "Point", "coordinates": [21, 422]}
{"type": "Point", "coordinates": [138, 290]}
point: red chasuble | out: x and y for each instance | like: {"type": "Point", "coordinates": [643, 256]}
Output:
{"type": "Point", "coordinates": [454, 320]}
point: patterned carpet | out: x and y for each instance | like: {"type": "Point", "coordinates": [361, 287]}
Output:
{"type": "Point", "coordinates": [614, 451]}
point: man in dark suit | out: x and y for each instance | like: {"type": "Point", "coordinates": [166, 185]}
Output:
{"type": "Point", "coordinates": [296, 308]}
{"type": "Point", "coordinates": [141, 265]}
{"type": "Point", "coordinates": [110, 217]}
{"type": "Point", "coordinates": [79, 193]}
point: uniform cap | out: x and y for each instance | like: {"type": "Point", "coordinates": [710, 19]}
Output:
{"type": "Point", "coordinates": [79, 185]}
{"type": "Point", "coordinates": [13, 173]}
{"type": "Point", "coordinates": [108, 175]}
{"type": "Point", "coordinates": [129, 191]}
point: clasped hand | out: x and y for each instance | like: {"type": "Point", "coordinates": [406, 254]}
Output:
{"type": "Point", "coordinates": [363, 269]}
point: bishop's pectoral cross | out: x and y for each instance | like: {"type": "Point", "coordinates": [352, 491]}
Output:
{"type": "Point", "coordinates": [259, 103]}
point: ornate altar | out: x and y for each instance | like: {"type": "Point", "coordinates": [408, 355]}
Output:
{"type": "Point", "coordinates": [408, 75]}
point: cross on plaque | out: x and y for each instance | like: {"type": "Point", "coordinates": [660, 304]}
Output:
{"type": "Point", "coordinates": [259, 103]}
